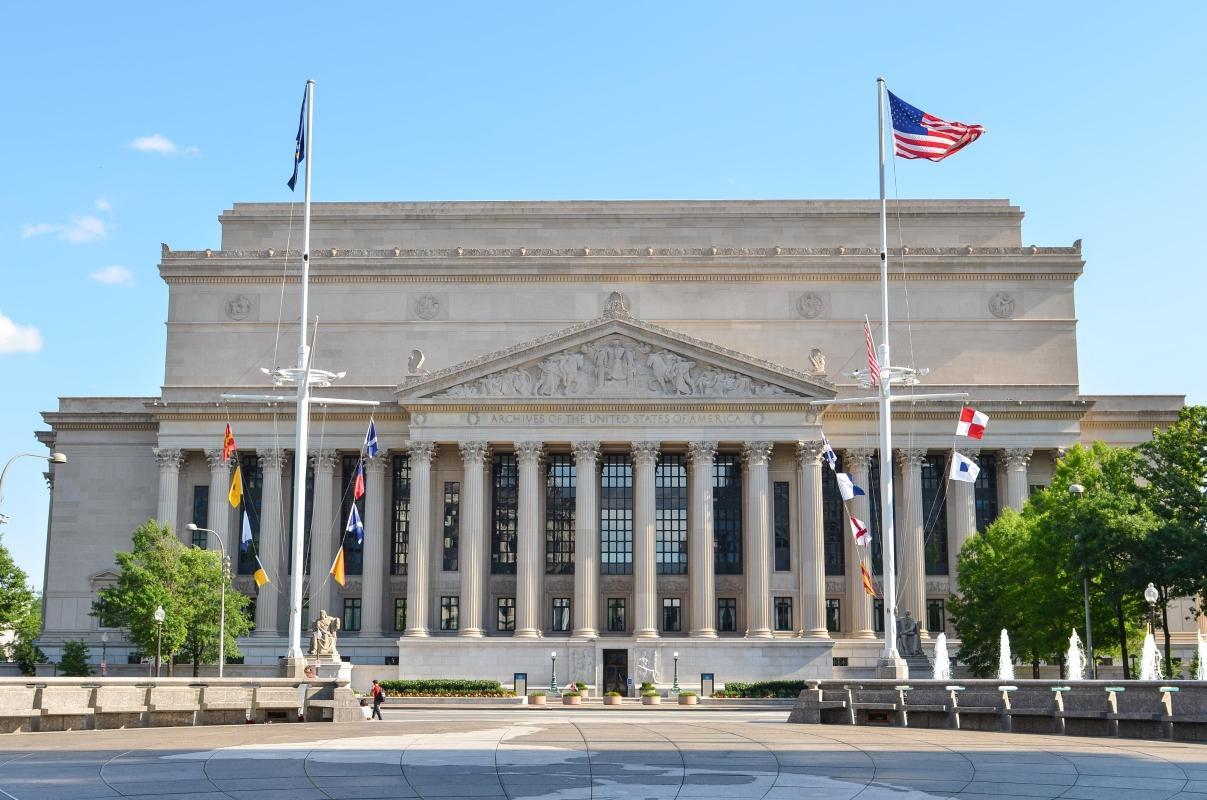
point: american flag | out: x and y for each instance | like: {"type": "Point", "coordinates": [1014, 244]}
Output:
{"type": "Point", "coordinates": [917, 134]}
{"type": "Point", "coordinates": [873, 364]}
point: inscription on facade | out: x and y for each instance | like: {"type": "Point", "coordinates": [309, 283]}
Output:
{"type": "Point", "coordinates": [558, 419]}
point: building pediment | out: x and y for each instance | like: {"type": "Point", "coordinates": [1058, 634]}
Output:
{"type": "Point", "coordinates": [616, 356]}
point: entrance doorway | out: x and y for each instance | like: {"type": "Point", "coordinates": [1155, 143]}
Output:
{"type": "Point", "coordinates": [615, 671]}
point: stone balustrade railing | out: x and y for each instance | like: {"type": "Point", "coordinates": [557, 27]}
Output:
{"type": "Point", "coordinates": [1135, 709]}
{"type": "Point", "coordinates": [57, 704]}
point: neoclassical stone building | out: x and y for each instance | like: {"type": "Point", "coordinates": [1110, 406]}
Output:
{"type": "Point", "coordinates": [595, 426]}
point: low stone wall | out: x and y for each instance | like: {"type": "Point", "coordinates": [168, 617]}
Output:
{"type": "Point", "coordinates": [1134, 709]}
{"type": "Point", "coordinates": [59, 704]}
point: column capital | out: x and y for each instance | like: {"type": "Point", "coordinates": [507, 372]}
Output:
{"type": "Point", "coordinates": [907, 459]}
{"type": "Point", "coordinates": [858, 458]}
{"type": "Point", "coordinates": [421, 452]}
{"type": "Point", "coordinates": [808, 454]}
{"type": "Point", "coordinates": [375, 465]}
{"type": "Point", "coordinates": [217, 462]}
{"type": "Point", "coordinates": [529, 452]}
{"type": "Point", "coordinates": [273, 459]}
{"type": "Point", "coordinates": [170, 459]}
{"type": "Point", "coordinates": [585, 451]}
{"type": "Point", "coordinates": [645, 452]}
{"type": "Point", "coordinates": [973, 454]}
{"type": "Point", "coordinates": [702, 453]}
{"type": "Point", "coordinates": [756, 454]}
{"type": "Point", "coordinates": [1018, 457]}
{"type": "Point", "coordinates": [474, 452]}
{"type": "Point", "coordinates": [323, 460]}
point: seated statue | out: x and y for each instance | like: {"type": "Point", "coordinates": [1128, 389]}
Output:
{"type": "Point", "coordinates": [322, 637]}
{"type": "Point", "coordinates": [909, 636]}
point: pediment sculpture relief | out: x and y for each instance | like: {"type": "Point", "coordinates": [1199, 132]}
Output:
{"type": "Point", "coordinates": [616, 366]}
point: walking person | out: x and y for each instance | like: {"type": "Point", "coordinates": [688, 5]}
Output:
{"type": "Point", "coordinates": [379, 695]}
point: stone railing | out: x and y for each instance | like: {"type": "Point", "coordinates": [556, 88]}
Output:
{"type": "Point", "coordinates": [58, 704]}
{"type": "Point", "coordinates": [1136, 709]}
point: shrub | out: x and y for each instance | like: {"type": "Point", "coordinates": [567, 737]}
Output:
{"type": "Point", "coordinates": [763, 689]}
{"type": "Point", "coordinates": [687, 694]}
{"type": "Point", "coordinates": [444, 687]}
{"type": "Point", "coordinates": [571, 694]}
{"type": "Point", "coordinates": [649, 693]}
{"type": "Point", "coordinates": [613, 694]}
{"type": "Point", "coordinates": [75, 659]}
{"type": "Point", "coordinates": [581, 686]}
{"type": "Point", "coordinates": [646, 685]}
{"type": "Point", "coordinates": [536, 694]}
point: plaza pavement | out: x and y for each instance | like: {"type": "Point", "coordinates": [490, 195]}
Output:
{"type": "Point", "coordinates": [573, 754]}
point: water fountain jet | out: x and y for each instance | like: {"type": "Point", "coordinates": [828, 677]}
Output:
{"type": "Point", "coordinates": [1075, 659]}
{"type": "Point", "coordinates": [1150, 659]}
{"type": "Point", "coordinates": [942, 660]}
{"type": "Point", "coordinates": [1005, 663]}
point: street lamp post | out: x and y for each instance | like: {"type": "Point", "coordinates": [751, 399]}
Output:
{"type": "Point", "coordinates": [104, 652]}
{"type": "Point", "coordinates": [675, 680]}
{"type": "Point", "coordinates": [159, 617]}
{"type": "Point", "coordinates": [553, 673]}
{"type": "Point", "coordinates": [1151, 596]}
{"type": "Point", "coordinates": [53, 458]}
{"type": "Point", "coordinates": [1077, 490]}
{"type": "Point", "coordinates": [226, 565]}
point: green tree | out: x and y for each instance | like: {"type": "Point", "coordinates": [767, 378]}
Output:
{"type": "Point", "coordinates": [1174, 472]}
{"type": "Point", "coordinates": [1106, 525]}
{"type": "Point", "coordinates": [160, 571]}
{"type": "Point", "coordinates": [23, 651]}
{"type": "Point", "coordinates": [74, 662]}
{"type": "Point", "coordinates": [20, 612]}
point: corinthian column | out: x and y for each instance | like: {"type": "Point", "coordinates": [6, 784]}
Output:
{"type": "Point", "coordinates": [961, 508]}
{"type": "Point", "coordinates": [858, 463]}
{"type": "Point", "coordinates": [170, 460]}
{"type": "Point", "coordinates": [473, 536]}
{"type": "Point", "coordinates": [272, 463]}
{"type": "Point", "coordinates": [323, 587]}
{"type": "Point", "coordinates": [528, 540]}
{"type": "Point", "coordinates": [758, 539]}
{"type": "Point", "coordinates": [700, 564]}
{"type": "Point", "coordinates": [911, 574]}
{"type": "Point", "coordinates": [419, 535]}
{"type": "Point", "coordinates": [374, 553]}
{"type": "Point", "coordinates": [219, 507]}
{"type": "Point", "coordinates": [645, 574]}
{"type": "Point", "coordinates": [586, 539]}
{"type": "Point", "coordinates": [1016, 477]}
{"type": "Point", "coordinates": [812, 540]}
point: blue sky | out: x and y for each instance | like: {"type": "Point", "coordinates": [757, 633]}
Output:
{"type": "Point", "coordinates": [127, 125]}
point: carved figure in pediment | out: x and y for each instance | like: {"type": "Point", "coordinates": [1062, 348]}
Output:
{"type": "Point", "coordinates": [705, 381]}
{"type": "Point", "coordinates": [672, 372]}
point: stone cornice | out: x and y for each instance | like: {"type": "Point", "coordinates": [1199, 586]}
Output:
{"type": "Point", "coordinates": [594, 406]}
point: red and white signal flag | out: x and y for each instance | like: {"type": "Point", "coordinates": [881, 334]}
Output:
{"type": "Point", "coordinates": [972, 423]}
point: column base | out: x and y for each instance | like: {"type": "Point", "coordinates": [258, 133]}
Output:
{"type": "Point", "coordinates": [864, 634]}
{"type": "Point", "coordinates": [704, 633]}
{"type": "Point", "coordinates": [816, 633]}
{"type": "Point", "coordinates": [759, 633]}
{"type": "Point", "coordinates": [526, 633]}
{"type": "Point", "coordinates": [893, 668]}
{"type": "Point", "coordinates": [260, 634]}
{"type": "Point", "coordinates": [585, 633]}
{"type": "Point", "coordinates": [646, 633]}
{"type": "Point", "coordinates": [472, 633]}
{"type": "Point", "coordinates": [414, 633]}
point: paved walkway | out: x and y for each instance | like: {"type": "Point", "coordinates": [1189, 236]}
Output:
{"type": "Point", "coordinates": [552, 754]}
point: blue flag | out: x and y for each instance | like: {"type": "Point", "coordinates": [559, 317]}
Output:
{"type": "Point", "coordinates": [355, 525]}
{"type": "Point", "coordinates": [371, 440]}
{"type": "Point", "coordinates": [299, 150]}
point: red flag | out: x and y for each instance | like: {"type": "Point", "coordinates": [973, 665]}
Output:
{"type": "Point", "coordinates": [228, 443]}
{"type": "Point", "coordinates": [972, 423]}
{"type": "Point", "coordinates": [860, 532]}
{"type": "Point", "coordinates": [358, 486]}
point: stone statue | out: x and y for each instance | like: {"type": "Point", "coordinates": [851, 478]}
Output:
{"type": "Point", "coordinates": [817, 361]}
{"type": "Point", "coordinates": [415, 363]}
{"type": "Point", "coordinates": [909, 636]}
{"type": "Point", "coordinates": [322, 638]}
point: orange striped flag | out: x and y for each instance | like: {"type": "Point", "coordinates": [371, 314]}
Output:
{"type": "Point", "coordinates": [228, 443]}
{"type": "Point", "coordinates": [867, 580]}
{"type": "Point", "coordinates": [337, 569]}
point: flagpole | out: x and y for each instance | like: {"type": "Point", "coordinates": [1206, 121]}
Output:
{"type": "Point", "coordinates": [298, 569]}
{"type": "Point", "coordinates": [891, 660]}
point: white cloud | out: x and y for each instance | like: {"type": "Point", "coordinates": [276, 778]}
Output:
{"type": "Point", "coordinates": [102, 204]}
{"type": "Point", "coordinates": [16, 338]}
{"type": "Point", "coordinates": [114, 275]}
{"type": "Point", "coordinates": [79, 230]}
{"type": "Point", "coordinates": [158, 143]}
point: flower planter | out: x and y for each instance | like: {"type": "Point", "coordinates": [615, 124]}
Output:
{"type": "Point", "coordinates": [688, 699]}
{"type": "Point", "coordinates": [571, 700]}
{"type": "Point", "coordinates": [651, 701]}
{"type": "Point", "coordinates": [612, 700]}
{"type": "Point", "coordinates": [536, 699]}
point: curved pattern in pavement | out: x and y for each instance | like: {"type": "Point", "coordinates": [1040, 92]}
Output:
{"type": "Point", "coordinates": [590, 755]}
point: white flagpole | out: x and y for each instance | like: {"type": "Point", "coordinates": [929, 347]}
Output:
{"type": "Point", "coordinates": [303, 411]}
{"type": "Point", "coordinates": [889, 548]}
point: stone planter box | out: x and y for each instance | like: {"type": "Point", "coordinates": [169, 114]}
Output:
{"type": "Point", "coordinates": [571, 700]}
{"type": "Point", "coordinates": [536, 699]}
{"type": "Point", "coordinates": [612, 700]}
{"type": "Point", "coordinates": [651, 701]}
{"type": "Point", "coordinates": [688, 700]}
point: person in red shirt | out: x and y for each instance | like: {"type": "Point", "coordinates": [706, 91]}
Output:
{"type": "Point", "coordinates": [379, 695]}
